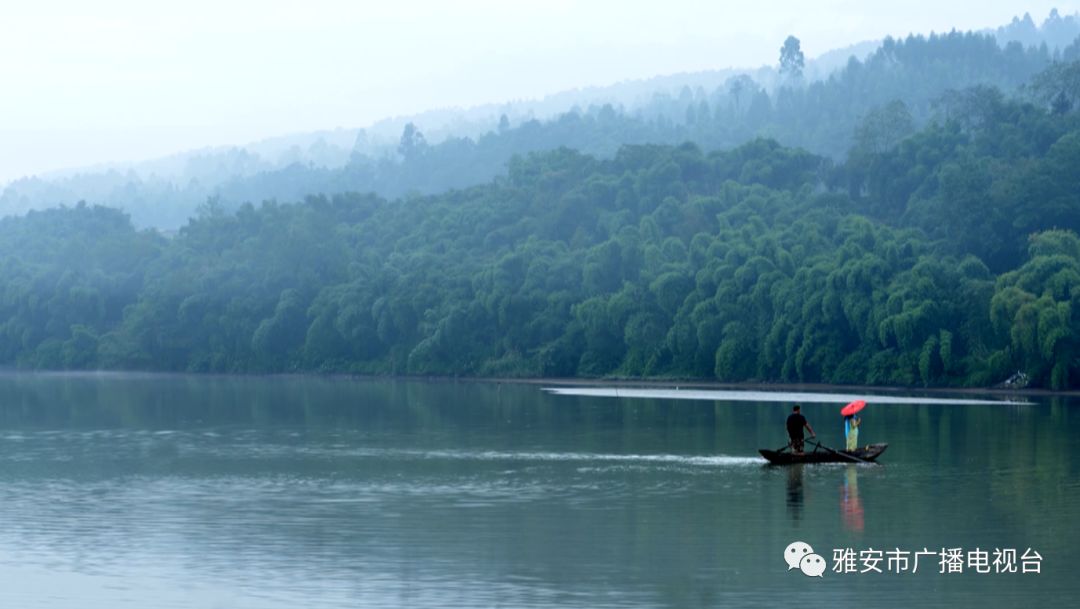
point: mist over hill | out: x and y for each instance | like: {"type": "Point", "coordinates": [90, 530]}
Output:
{"type": "Point", "coordinates": [941, 254]}
{"type": "Point", "coordinates": [454, 148]}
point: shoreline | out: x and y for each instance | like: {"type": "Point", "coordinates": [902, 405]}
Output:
{"type": "Point", "coordinates": [568, 382]}
{"type": "Point", "coordinates": [758, 386]}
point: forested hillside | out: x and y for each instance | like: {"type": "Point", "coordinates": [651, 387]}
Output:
{"type": "Point", "coordinates": [821, 116]}
{"type": "Point", "coordinates": [946, 255]}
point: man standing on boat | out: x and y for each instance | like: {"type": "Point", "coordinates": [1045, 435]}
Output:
{"type": "Point", "coordinates": [795, 424]}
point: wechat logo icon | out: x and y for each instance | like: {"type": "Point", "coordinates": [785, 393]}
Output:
{"type": "Point", "coordinates": [799, 555]}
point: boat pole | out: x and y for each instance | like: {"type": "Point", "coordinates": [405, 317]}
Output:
{"type": "Point", "coordinates": [844, 455]}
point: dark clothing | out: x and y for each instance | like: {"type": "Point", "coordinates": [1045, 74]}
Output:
{"type": "Point", "coordinates": [795, 424]}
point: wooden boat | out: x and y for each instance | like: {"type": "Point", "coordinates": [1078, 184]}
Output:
{"type": "Point", "coordinates": [821, 454]}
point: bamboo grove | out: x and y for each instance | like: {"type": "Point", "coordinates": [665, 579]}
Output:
{"type": "Point", "coordinates": [941, 256]}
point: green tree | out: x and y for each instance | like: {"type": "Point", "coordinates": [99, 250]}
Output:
{"type": "Point", "coordinates": [792, 60]}
{"type": "Point", "coordinates": [1037, 307]}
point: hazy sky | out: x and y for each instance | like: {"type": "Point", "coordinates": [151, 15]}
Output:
{"type": "Point", "coordinates": [109, 80]}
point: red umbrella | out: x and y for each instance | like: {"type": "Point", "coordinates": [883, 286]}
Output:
{"type": "Point", "coordinates": [852, 408]}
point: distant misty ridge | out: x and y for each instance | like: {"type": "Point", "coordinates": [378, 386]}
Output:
{"type": "Point", "coordinates": [335, 147]}
{"type": "Point", "coordinates": [716, 108]}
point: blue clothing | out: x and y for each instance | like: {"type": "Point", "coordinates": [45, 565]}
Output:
{"type": "Point", "coordinates": [851, 433]}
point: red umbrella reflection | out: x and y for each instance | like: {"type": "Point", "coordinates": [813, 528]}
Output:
{"type": "Point", "coordinates": [851, 509]}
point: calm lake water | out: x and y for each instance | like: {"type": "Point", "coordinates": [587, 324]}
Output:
{"type": "Point", "coordinates": [185, 491]}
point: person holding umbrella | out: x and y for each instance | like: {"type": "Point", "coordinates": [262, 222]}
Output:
{"type": "Point", "coordinates": [851, 424]}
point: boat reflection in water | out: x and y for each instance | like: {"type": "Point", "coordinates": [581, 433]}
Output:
{"type": "Point", "coordinates": [851, 510]}
{"type": "Point", "coordinates": [795, 491]}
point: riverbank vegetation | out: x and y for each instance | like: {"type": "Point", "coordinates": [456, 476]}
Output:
{"type": "Point", "coordinates": [945, 255]}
